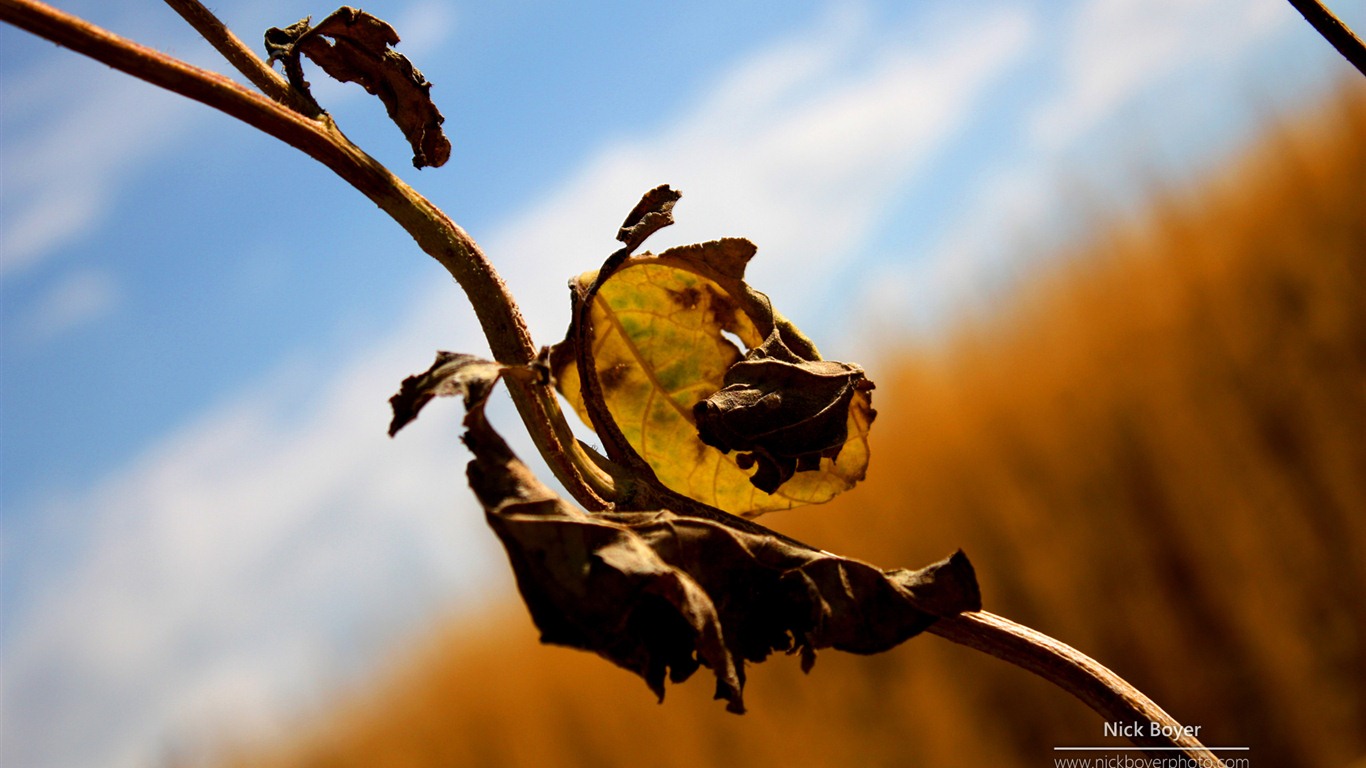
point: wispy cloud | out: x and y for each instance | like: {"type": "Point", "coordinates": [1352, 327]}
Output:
{"type": "Point", "coordinates": [59, 184]}
{"type": "Point", "coordinates": [79, 298]}
{"type": "Point", "coordinates": [1116, 48]}
{"type": "Point", "coordinates": [1107, 60]}
{"type": "Point", "coordinates": [426, 25]}
{"type": "Point", "coordinates": [279, 541]}
{"type": "Point", "coordinates": [798, 148]}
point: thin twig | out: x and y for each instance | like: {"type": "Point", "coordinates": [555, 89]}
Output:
{"type": "Point", "coordinates": [434, 232]}
{"type": "Point", "coordinates": [1113, 698]}
{"type": "Point", "coordinates": [241, 56]}
{"type": "Point", "coordinates": [1334, 31]}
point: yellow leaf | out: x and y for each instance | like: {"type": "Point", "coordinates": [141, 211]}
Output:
{"type": "Point", "coordinates": [659, 349]}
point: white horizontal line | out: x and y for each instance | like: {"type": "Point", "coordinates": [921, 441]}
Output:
{"type": "Point", "coordinates": [1148, 749]}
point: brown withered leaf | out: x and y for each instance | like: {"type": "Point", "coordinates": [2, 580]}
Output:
{"type": "Point", "coordinates": [651, 214]}
{"type": "Point", "coordinates": [661, 595]}
{"type": "Point", "coordinates": [781, 412]}
{"type": "Point", "coordinates": [453, 373]}
{"type": "Point", "coordinates": [353, 46]}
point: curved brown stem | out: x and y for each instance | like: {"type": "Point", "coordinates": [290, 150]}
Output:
{"type": "Point", "coordinates": [242, 57]}
{"type": "Point", "coordinates": [320, 139]}
{"type": "Point", "coordinates": [1110, 695]}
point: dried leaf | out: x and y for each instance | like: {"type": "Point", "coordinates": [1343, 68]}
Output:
{"type": "Point", "coordinates": [353, 46]}
{"type": "Point", "coordinates": [660, 347]}
{"type": "Point", "coordinates": [661, 595]}
{"type": "Point", "coordinates": [784, 414]}
{"type": "Point", "coordinates": [651, 214]}
{"type": "Point", "coordinates": [452, 374]}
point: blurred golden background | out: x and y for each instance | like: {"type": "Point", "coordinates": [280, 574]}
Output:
{"type": "Point", "coordinates": [1155, 453]}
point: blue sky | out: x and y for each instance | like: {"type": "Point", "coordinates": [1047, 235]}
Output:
{"type": "Point", "coordinates": [204, 526]}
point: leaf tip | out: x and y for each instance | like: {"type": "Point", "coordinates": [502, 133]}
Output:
{"type": "Point", "coordinates": [452, 373]}
{"type": "Point", "coordinates": [653, 213]}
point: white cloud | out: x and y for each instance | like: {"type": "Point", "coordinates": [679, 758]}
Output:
{"type": "Point", "coordinates": [80, 298]}
{"type": "Point", "coordinates": [1114, 49]}
{"type": "Point", "coordinates": [1176, 61]}
{"type": "Point", "coordinates": [280, 541]}
{"type": "Point", "coordinates": [962, 271]}
{"type": "Point", "coordinates": [426, 25]}
{"type": "Point", "coordinates": [44, 222]}
{"type": "Point", "coordinates": [235, 565]}
{"type": "Point", "coordinates": [59, 184]}
{"type": "Point", "coordinates": [798, 149]}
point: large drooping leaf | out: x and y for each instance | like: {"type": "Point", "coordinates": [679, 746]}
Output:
{"type": "Point", "coordinates": [660, 327]}
{"type": "Point", "coordinates": [662, 594]}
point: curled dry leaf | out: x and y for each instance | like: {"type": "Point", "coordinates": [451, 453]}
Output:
{"type": "Point", "coordinates": [783, 413]}
{"type": "Point", "coordinates": [662, 595]}
{"type": "Point", "coordinates": [651, 214]}
{"type": "Point", "coordinates": [353, 46]}
{"type": "Point", "coordinates": [453, 373]}
{"type": "Point", "coordinates": [660, 344]}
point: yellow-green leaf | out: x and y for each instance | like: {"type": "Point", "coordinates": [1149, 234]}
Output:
{"type": "Point", "coordinates": [659, 349]}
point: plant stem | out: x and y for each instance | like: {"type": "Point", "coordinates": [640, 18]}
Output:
{"type": "Point", "coordinates": [242, 57]}
{"type": "Point", "coordinates": [1112, 697]}
{"type": "Point", "coordinates": [435, 233]}
{"type": "Point", "coordinates": [1334, 31]}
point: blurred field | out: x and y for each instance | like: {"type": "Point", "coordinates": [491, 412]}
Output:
{"type": "Point", "coordinates": [1157, 454]}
